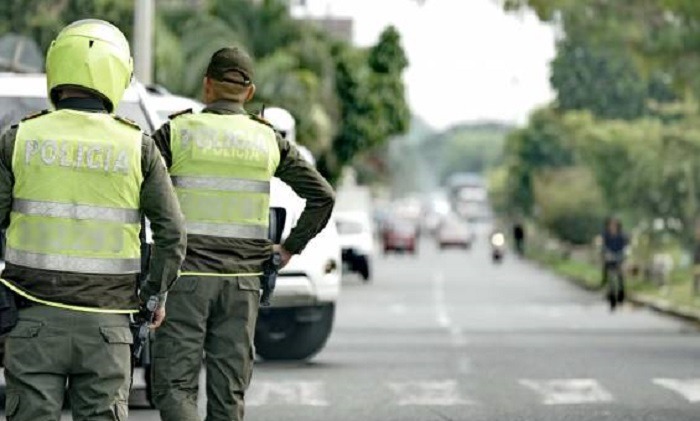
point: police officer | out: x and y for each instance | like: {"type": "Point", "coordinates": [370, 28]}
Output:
{"type": "Point", "coordinates": [221, 161]}
{"type": "Point", "coordinates": [73, 184]}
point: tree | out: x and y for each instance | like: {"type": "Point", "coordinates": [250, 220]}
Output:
{"type": "Point", "coordinates": [605, 82]}
{"type": "Point", "coordinates": [372, 103]}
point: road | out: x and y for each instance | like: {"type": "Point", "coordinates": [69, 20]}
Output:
{"type": "Point", "coordinates": [450, 336]}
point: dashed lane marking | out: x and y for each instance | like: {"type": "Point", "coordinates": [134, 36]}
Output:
{"type": "Point", "coordinates": [688, 388]}
{"type": "Point", "coordinates": [568, 391]}
{"type": "Point", "coordinates": [428, 393]}
{"type": "Point", "coordinates": [301, 393]}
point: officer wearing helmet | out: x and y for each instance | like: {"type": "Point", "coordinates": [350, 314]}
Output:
{"type": "Point", "coordinates": [221, 161]}
{"type": "Point", "coordinates": [74, 182]}
{"type": "Point", "coordinates": [285, 125]}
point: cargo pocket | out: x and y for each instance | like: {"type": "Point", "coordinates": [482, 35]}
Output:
{"type": "Point", "coordinates": [12, 405]}
{"type": "Point", "coordinates": [249, 284]}
{"type": "Point", "coordinates": [25, 329]}
{"type": "Point", "coordinates": [117, 335]}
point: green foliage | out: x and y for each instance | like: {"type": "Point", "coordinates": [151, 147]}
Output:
{"type": "Point", "coordinates": [604, 82]}
{"type": "Point", "coordinates": [346, 100]}
{"type": "Point", "coordinates": [372, 102]}
{"type": "Point", "coordinates": [43, 19]}
{"type": "Point", "coordinates": [543, 144]}
{"type": "Point", "coordinates": [569, 203]}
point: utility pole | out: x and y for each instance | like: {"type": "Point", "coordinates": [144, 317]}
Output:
{"type": "Point", "coordinates": [144, 13]}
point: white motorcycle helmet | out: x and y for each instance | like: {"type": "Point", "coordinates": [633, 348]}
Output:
{"type": "Point", "coordinates": [283, 122]}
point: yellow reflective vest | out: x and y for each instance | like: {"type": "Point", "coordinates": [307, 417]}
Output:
{"type": "Point", "coordinates": [221, 170]}
{"type": "Point", "coordinates": [76, 196]}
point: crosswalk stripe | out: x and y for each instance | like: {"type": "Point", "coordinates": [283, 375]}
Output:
{"type": "Point", "coordinates": [688, 388]}
{"type": "Point", "coordinates": [568, 391]}
{"type": "Point", "coordinates": [304, 393]}
{"type": "Point", "coordinates": [428, 393]}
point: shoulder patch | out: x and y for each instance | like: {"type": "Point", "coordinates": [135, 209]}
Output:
{"type": "Point", "coordinates": [261, 120]}
{"type": "Point", "coordinates": [35, 115]}
{"type": "Point", "coordinates": [179, 113]}
{"type": "Point", "coordinates": [126, 121]}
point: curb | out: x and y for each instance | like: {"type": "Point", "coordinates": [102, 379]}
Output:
{"type": "Point", "coordinates": [657, 304]}
{"type": "Point", "coordinates": [666, 307]}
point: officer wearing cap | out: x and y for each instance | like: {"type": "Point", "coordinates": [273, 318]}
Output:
{"type": "Point", "coordinates": [74, 182]}
{"type": "Point", "coordinates": [221, 161]}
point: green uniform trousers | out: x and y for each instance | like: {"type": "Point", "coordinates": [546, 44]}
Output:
{"type": "Point", "coordinates": [52, 351]}
{"type": "Point", "coordinates": [212, 318]}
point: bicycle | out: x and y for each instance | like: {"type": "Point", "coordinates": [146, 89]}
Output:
{"type": "Point", "coordinates": [614, 278]}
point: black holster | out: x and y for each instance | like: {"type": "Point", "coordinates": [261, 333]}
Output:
{"type": "Point", "coordinates": [8, 309]}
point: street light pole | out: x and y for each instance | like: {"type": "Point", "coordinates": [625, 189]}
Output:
{"type": "Point", "coordinates": [144, 12]}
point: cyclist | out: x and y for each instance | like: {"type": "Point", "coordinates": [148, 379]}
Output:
{"type": "Point", "coordinates": [614, 245]}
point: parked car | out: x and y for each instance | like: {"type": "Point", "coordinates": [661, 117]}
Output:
{"type": "Point", "coordinates": [357, 242]}
{"type": "Point", "coordinates": [22, 94]}
{"type": "Point", "coordinates": [300, 319]}
{"type": "Point", "coordinates": [454, 231]}
{"type": "Point", "coordinates": [165, 104]}
{"type": "Point", "coordinates": [400, 236]}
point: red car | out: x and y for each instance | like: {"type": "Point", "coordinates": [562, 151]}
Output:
{"type": "Point", "coordinates": [400, 237]}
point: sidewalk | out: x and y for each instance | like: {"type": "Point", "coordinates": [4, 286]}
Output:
{"type": "Point", "coordinates": [587, 277]}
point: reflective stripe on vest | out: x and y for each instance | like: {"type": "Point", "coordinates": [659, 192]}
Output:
{"type": "Point", "coordinates": [245, 232]}
{"type": "Point", "coordinates": [72, 211]}
{"type": "Point", "coordinates": [222, 166]}
{"type": "Point", "coordinates": [63, 263]}
{"type": "Point", "coordinates": [76, 195]}
{"type": "Point", "coordinates": [221, 184]}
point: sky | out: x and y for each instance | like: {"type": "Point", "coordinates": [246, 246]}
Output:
{"type": "Point", "coordinates": [469, 60]}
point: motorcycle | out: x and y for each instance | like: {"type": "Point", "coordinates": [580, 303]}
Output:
{"type": "Point", "coordinates": [498, 247]}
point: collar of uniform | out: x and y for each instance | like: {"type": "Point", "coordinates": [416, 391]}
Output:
{"type": "Point", "coordinates": [225, 107]}
{"type": "Point", "coordinates": [82, 104]}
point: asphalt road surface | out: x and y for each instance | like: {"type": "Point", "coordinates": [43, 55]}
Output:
{"type": "Point", "coordinates": [451, 336]}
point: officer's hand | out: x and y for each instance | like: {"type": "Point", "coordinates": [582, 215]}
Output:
{"type": "Point", "coordinates": [158, 317]}
{"type": "Point", "coordinates": [284, 255]}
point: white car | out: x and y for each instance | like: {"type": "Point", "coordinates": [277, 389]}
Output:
{"type": "Point", "coordinates": [22, 94]}
{"type": "Point", "coordinates": [300, 318]}
{"type": "Point", "coordinates": [357, 241]}
{"type": "Point", "coordinates": [165, 104]}
{"type": "Point", "coordinates": [454, 231]}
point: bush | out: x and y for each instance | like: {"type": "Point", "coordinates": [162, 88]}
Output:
{"type": "Point", "coordinates": [569, 203]}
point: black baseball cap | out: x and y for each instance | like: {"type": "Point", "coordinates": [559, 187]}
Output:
{"type": "Point", "coordinates": [231, 59]}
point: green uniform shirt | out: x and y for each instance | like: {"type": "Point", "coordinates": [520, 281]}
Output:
{"type": "Point", "coordinates": [157, 201]}
{"type": "Point", "coordinates": [228, 255]}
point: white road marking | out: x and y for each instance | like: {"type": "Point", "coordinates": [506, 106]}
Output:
{"type": "Point", "coordinates": [688, 388]}
{"type": "Point", "coordinates": [428, 393]}
{"type": "Point", "coordinates": [441, 314]}
{"type": "Point", "coordinates": [398, 309]}
{"type": "Point", "coordinates": [569, 391]}
{"type": "Point", "coordinates": [287, 393]}
{"type": "Point", "coordinates": [443, 318]}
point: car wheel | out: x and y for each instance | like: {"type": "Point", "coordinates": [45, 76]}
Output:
{"type": "Point", "coordinates": [293, 333]}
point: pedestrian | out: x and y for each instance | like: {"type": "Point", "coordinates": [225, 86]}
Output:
{"type": "Point", "coordinates": [221, 161]}
{"type": "Point", "coordinates": [519, 237]}
{"type": "Point", "coordinates": [73, 184]}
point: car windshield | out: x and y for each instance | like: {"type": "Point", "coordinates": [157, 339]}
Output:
{"type": "Point", "coordinates": [13, 109]}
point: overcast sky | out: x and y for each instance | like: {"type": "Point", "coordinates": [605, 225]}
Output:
{"type": "Point", "coordinates": [468, 60]}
